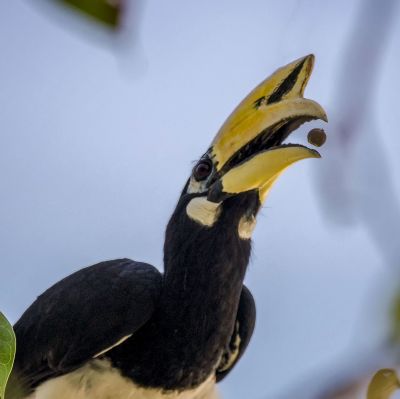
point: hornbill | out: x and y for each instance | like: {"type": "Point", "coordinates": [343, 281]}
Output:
{"type": "Point", "coordinates": [121, 329]}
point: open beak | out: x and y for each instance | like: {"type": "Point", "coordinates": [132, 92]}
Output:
{"type": "Point", "coordinates": [247, 152]}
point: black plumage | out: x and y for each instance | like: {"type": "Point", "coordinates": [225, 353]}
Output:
{"type": "Point", "coordinates": [195, 319]}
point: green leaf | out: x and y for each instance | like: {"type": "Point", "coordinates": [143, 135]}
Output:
{"type": "Point", "coordinates": [107, 12]}
{"type": "Point", "coordinates": [383, 384]}
{"type": "Point", "coordinates": [7, 352]}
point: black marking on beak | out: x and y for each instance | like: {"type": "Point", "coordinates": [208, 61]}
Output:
{"type": "Point", "coordinates": [283, 88]}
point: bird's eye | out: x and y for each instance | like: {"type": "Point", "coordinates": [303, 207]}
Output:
{"type": "Point", "coordinates": [202, 170]}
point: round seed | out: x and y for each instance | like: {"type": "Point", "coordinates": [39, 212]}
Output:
{"type": "Point", "coordinates": [316, 137]}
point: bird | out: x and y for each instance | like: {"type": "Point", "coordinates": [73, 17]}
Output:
{"type": "Point", "coordinates": [122, 329]}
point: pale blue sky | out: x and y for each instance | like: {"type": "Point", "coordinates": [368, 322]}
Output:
{"type": "Point", "coordinates": [96, 143]}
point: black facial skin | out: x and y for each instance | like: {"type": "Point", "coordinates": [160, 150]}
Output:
{"type": "Point", "coordinates": [203, 279]}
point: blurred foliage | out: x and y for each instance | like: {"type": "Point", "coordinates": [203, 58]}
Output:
{"type": "Point", "coordinates": [395, 318]}
{"type": "Point", "coordinates": [7, 352]}
{"type": "Point", "coordinates": [383, 384]}
{"type": "Point", "coordinates": [107, 12]}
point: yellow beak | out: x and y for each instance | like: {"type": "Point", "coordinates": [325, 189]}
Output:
{"type": "Point", "coordinates": [247, 151]}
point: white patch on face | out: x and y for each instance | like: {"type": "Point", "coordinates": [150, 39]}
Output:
{"type": "Point", "coordinates": [113, 346]}
{"type": "Point", "coordinates": [98, 380]}
{"type": "Point", "coordinates": [246, 227]}
{"type": "Point", "coordinates": [203, 211]}
{"type": "Point", "coordinates": [196, 187]}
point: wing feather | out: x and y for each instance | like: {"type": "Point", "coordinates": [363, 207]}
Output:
{"type": "Point", "coordinates": [244, 327]}
{"type": "Point", "coordinates": [84, 315]}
